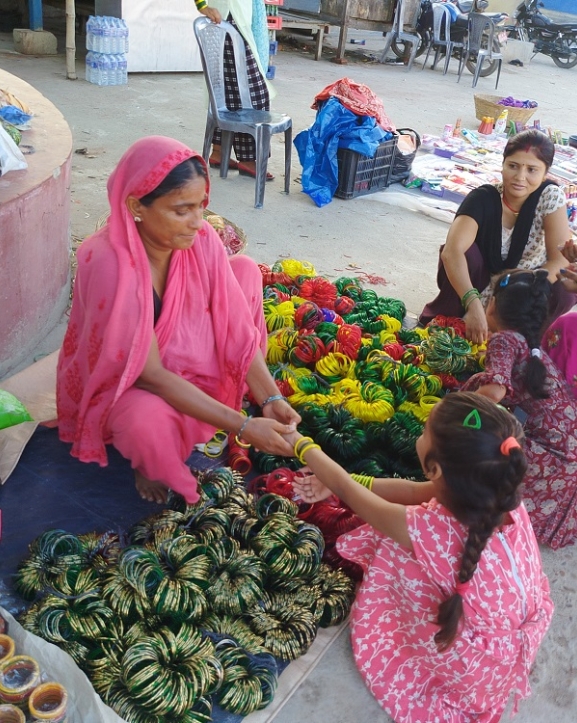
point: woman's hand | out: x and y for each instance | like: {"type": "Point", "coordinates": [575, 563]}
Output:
{"type": "Point", "coordinates": [266, 435]}
{"type": "Point", "coordinates": [569, 251]}
{"type": "Point", "coordinates": [282, 411]}
{"type": "Point", "coordinates": [568, 276]}
{"type": "Point", "coordinates": [475, 320]}
{"type": "Point", "coordinates": [211, 14]}
{"type": "Point", "coordinates": [309, 487]}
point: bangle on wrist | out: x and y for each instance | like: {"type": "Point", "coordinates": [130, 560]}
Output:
{"type": "Point", "coordinates": [273, 398]}
{"type": "Point", "coordinates": [300, 443]}
{"type": "Point", "coordinates": [364, 479]}
{"type": "Point", "coordinates": [469, 296]}
{"type": "Point", "coordinates": [305, 448]}
{"type": "Point", "coordinates": [238, 436]}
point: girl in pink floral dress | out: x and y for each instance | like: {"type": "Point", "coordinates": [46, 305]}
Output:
{"type": "Point", "coordinates": [454, 603]}
{"type": "Point", "coordinates": [521, 376]}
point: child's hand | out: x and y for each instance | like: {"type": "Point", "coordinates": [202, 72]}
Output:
{"type": "Point", "coordinates": [310, 489]}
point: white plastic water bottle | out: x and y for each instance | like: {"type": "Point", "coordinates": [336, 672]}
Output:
{"type": "Point", "coordinates": [103, 68]}
{"type": "Point", "coordinates": [124, 35]}
{"type": "Point", "coordinates": [113, 69]}
{"type": "Point", "coordinates": [122, 69]}
{"type": "Point", "coordinates": [88, 67]}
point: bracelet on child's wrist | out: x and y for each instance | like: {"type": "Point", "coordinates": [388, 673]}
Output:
{"type": "Point", "coordinates": [364, 479]}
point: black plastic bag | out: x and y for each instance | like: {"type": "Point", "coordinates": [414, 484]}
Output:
{"type": "Point", "coordinates": [407, 147]}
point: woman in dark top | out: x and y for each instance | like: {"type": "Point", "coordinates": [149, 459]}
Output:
{"type": "Point", "coordinates": [519, 223]}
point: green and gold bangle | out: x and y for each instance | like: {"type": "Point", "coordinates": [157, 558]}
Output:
{"type": "Point", "coordinates": [200, 4]}
{"type": "Point", "coordinates": [469, 296]}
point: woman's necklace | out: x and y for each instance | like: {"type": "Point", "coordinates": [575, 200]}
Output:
{"type": "Point", "coordinates": [515, 213]}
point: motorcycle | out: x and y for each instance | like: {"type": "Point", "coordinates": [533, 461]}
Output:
{"type": "Point", "coordinates": [558, 40]}
{"type": "Point", "coordinates": [424, 30]}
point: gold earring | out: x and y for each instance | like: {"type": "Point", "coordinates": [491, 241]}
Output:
{"type": "Point", "coordinates": [137, 219]}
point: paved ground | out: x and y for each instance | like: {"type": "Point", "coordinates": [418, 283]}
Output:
{"type": "Point", "coordinates": [344, 237]}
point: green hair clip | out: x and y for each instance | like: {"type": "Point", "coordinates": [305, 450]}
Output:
{"type": "Point", "coordinates": [472, 420]}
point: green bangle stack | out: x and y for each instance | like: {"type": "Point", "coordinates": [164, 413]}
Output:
{"type": "Point", "coordinates": [470, 296]}
{"type": "Point", "coordinates": [364, 479]}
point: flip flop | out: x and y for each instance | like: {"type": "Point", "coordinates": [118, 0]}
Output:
{"type": "Point", "coordinates": [245, 171]}
{"type": "Point", "coordinates": [232, 165]}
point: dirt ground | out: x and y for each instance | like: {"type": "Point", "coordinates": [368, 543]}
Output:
{"type": "Point", "coordinates": [367, 235]}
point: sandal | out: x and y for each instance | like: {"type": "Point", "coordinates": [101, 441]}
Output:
{"type": "Point", "coordinates": [232, 164]}
{"type": "Point", "coordinates": [245, 171]}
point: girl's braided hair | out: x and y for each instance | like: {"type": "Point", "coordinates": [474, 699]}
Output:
{"type": "Point", "coordinates": [522, 304]}
{"type": "Point", "coordinates": [481, 482]}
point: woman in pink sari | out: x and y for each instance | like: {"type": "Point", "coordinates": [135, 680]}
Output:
{"type": "Point", "coordinates": [165, 333]}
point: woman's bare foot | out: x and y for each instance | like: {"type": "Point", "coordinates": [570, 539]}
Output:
{"type": "Point", "coordinates": [150, 489]}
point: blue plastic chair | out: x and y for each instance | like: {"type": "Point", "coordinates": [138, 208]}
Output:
{"type": "Point", "coordinates": [260, 124]}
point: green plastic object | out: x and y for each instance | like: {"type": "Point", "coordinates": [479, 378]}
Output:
{"type": "Point", "coordinates": [12, 411]}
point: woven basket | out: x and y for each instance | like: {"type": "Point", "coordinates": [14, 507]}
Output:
{"type": "Point", "coordinates": [486, 105]}
{"type": "Point", "coordinates": [233, 238]}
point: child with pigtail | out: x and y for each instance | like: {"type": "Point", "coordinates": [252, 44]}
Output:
{"type": "Point", "coordinates": [522, 377]}
{"type": "Point", "coordinates": [454, 603]}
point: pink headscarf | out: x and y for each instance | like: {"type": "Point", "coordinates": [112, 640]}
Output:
{"type": "Point", "coordinates": [111, 321]}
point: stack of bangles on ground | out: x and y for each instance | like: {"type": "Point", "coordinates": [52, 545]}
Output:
{"type": "Point", "coordinates": [303, 445]}
{"type": "Point", "coordinates": [470, 296]}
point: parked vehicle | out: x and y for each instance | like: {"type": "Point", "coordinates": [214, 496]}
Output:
{"type": "Point", "coordinates": [558, 40]}
{"type": "Point", "coordinates": [425, 31]}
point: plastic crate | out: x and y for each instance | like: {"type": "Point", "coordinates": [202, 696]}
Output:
{"type": "Point", "coordinates": [271, 72]}
{"type": "Point", "coordinates": [274, 22]}
{"type": "Point", "coordinates": [273, 47]}
{"type": "Point", "coordinates": [360, 175]}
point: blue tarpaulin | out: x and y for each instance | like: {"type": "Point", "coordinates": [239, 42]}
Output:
{"type": "Point", "coordinates": [335, 127]}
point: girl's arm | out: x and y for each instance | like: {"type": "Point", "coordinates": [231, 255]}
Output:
{"type": "Point", "coordinates": [556, 227]}
{"type": "Point", "coordinates": [495, 392]}
{"type": "Point", "coordinates": [386, 517]}
{"type": "Point", "coordinates": [185, 397]}
{"type": "Point", "coordinates": [403, 491]}
{"type": "Point", "coordinates": [460, 238]}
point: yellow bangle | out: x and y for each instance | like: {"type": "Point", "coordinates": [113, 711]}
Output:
{"type": "Point", "coordinates": [306, 448]}
{"type": "Point", "coordinates": [364, 479]}
{"type": "Point", "coordinates": [299, 442]}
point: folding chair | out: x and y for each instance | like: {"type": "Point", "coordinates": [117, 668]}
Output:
{"type": "Point", "coordinates": [442, 37]}
{"type": "Point", "coordinates": [397, 33]}
{"type": "Point", "coordinates": [479, 42]}
{"type": "Point", "coordinates": [258, 123]}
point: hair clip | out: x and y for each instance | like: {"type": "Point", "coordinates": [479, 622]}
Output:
{"type": "Point", "coordinates": [508, 444]}
{"type": "Point", "coordinates": [472, 420]}
{"type": "Point", "coordinates": [504, 281]}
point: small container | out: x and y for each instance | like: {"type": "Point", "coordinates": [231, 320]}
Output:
{"type": "Point", "coordinates": [7, 648]}
{"type": "Point", "coordinates": [447, 131]}
{"type": "Point", "coordinates": [573, 141]}
{"type": "Point", "coordinates": [11, 714]}
{"type": "Point", "coordinates": [19, 676]}
{"type": "Point", "coordinates": [48, 702]}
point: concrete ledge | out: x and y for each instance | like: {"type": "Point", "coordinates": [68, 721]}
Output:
{"type": "Point", "coordinates": [34, 231]}
{"type": "Point", "coordinates": [34, 42]}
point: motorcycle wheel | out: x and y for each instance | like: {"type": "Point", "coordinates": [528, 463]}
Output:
{"type": "Point", "coordinates": [566, 60]}
{"type": "Point", "coordinates": [488, 67]}
{"type": "Point", "coordinates": [398, 48]}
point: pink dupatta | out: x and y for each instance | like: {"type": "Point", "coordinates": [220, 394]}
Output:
{"type": "Point", "coordinates": [111, 320]}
